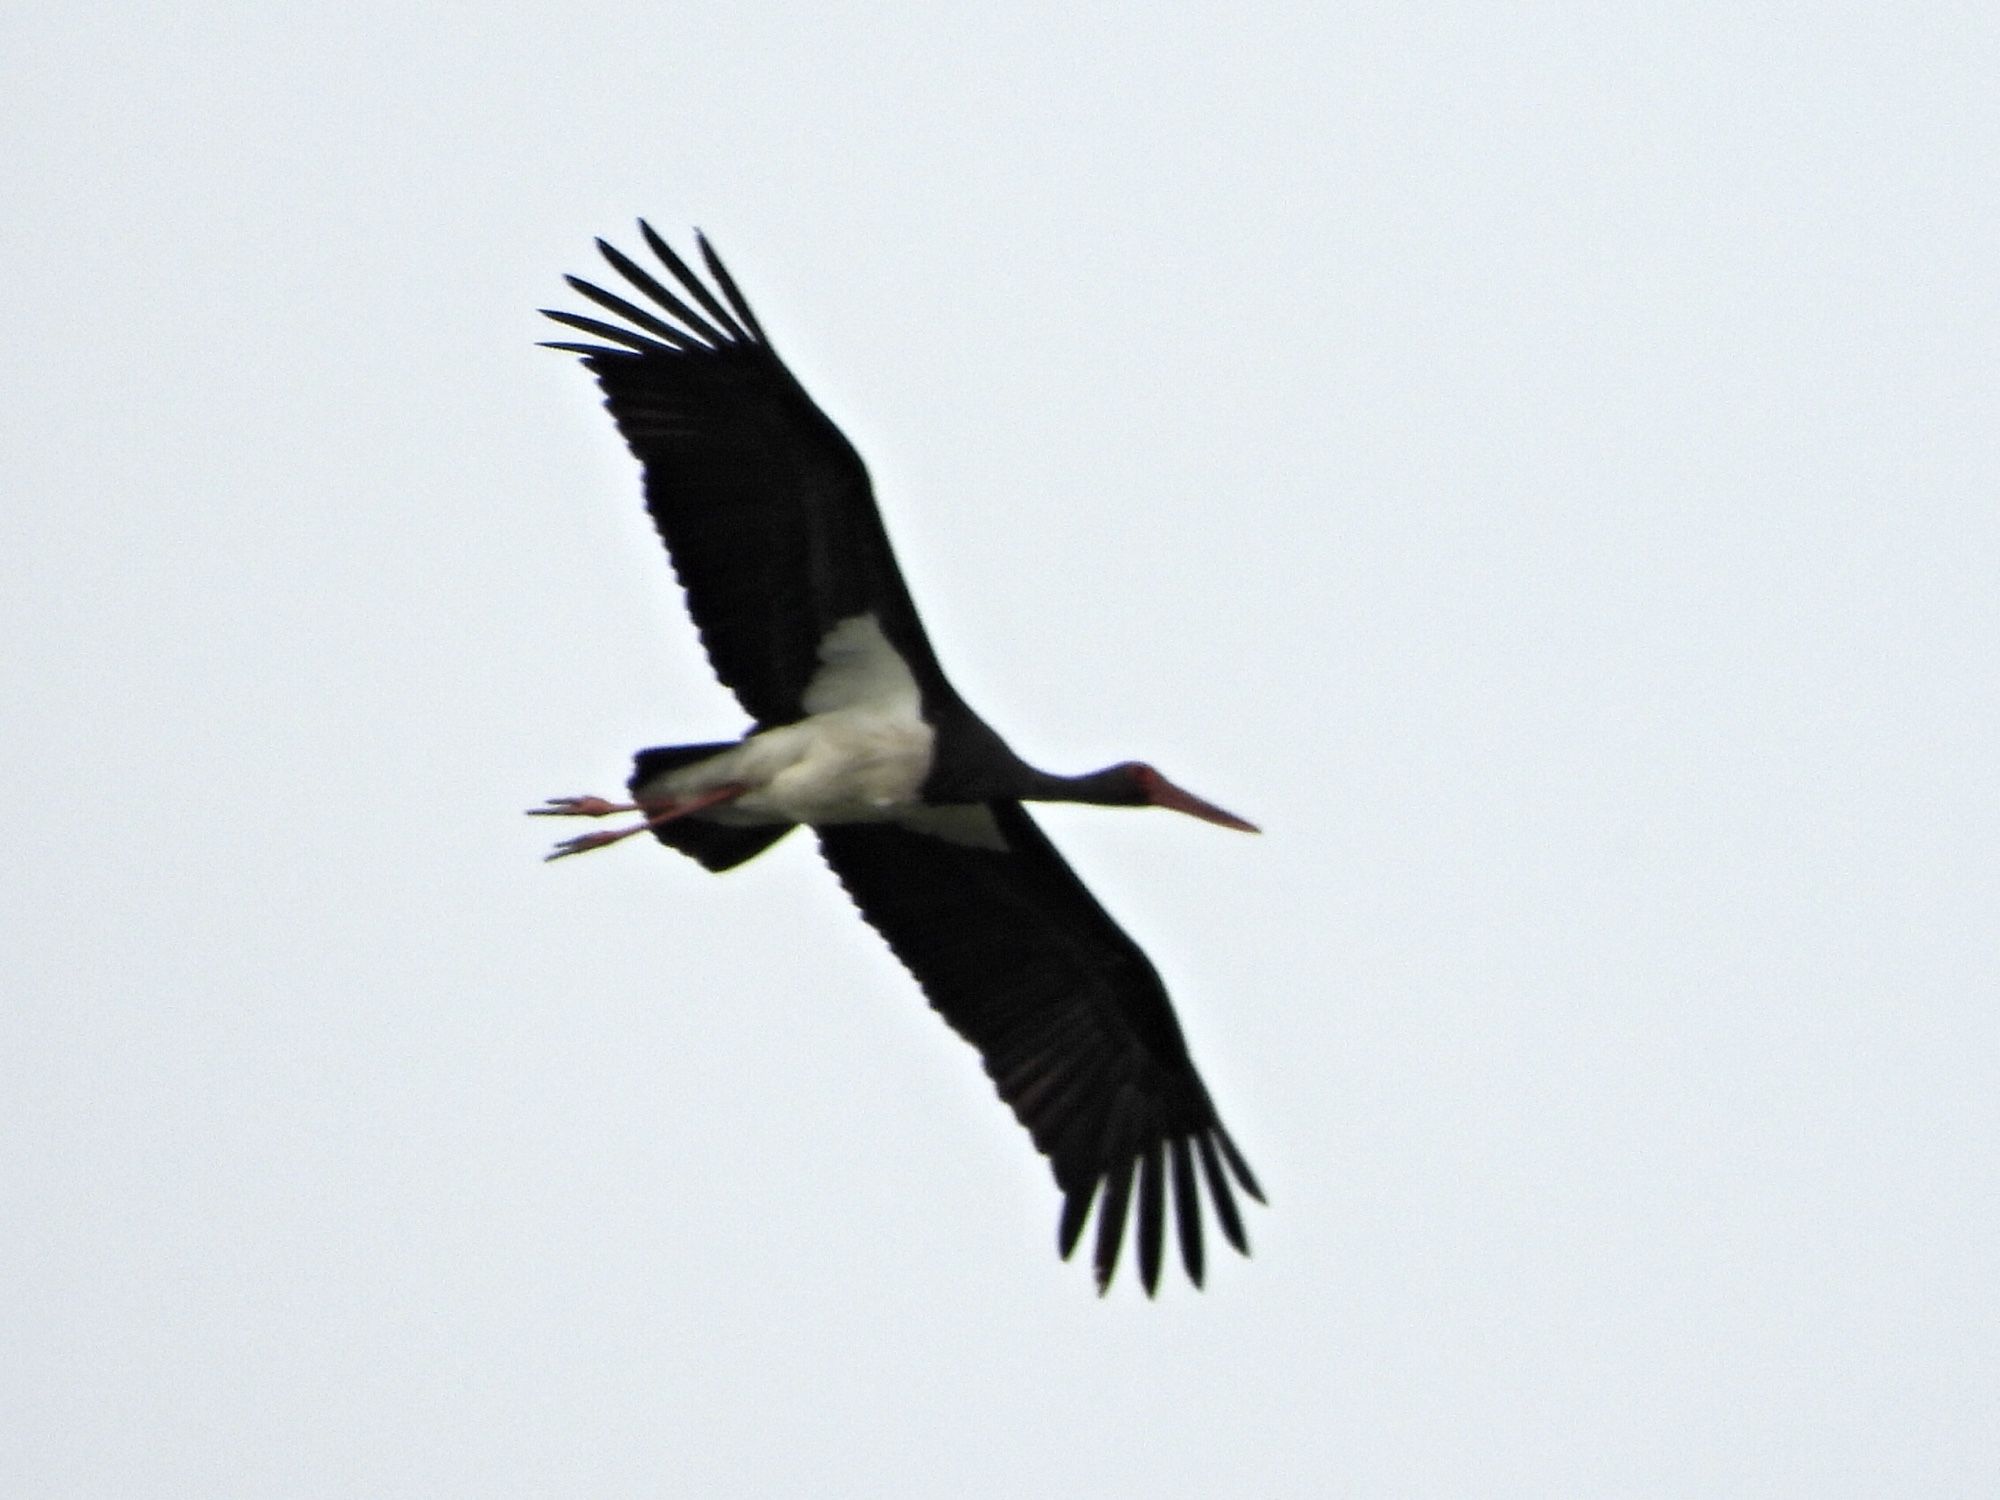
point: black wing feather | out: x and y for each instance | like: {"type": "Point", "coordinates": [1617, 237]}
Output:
{"type": "Point", "coordinates": [1152, 1206]}
{"type": "Point", "coordinates": [1187, 1210]}
{"type": "Point", "coordinates": [727, 282]}
{"type": "Point", "coordinates": [644, 280]}
{"type": "Point", "coordinates": [764, 506]}
{"type": "Point", "coordinates": [1071, 1019]}
{"type": "Point", "coordinates": [596, 328]}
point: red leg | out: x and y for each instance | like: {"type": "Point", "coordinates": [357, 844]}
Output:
{"type": "Point", "coordinates": [580, 807]}
{"type": "Point", "coordinates": [657, 813]}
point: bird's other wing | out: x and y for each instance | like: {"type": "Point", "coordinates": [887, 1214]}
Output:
{"type": "Point", "coordinates": [764, 505]}
{"type": "Point", "coordinates": [1070, 1017]}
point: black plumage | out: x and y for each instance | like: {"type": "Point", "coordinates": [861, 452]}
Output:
{"type": "Point", "coordinates": [767, 514]}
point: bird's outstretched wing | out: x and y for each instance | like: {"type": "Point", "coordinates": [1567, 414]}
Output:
{"type": "Point", "coordinates": [764, 505]}
{"type": "Point", "coordinates": [1070, 1017]}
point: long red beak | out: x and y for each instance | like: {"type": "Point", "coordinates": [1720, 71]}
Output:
{"type": "Point", "coordinates": [1163, 793]}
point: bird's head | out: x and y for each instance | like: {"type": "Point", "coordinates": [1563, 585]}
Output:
{"type": "Point", "coordinates": [1133, 783]}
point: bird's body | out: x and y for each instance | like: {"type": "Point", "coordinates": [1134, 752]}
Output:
{"type": "Point", "coordinates": [860, 755]}
{"type": "Point", "coordinates": [767, 515]}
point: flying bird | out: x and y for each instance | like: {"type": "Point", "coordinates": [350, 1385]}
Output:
{"type": "Point", "coordinates": [768, 518]}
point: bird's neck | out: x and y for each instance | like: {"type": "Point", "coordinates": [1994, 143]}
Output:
{"type": "Point", "coordinates": [1111, 786]}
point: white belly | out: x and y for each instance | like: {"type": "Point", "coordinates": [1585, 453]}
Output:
{"type": "Point", "coordinates": [849, 766]}
{"type": "Point", "coordinates": [860, 756]}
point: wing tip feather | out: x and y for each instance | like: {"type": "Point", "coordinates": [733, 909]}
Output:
{"type": "Point", "coordinates": [1163, 1169]}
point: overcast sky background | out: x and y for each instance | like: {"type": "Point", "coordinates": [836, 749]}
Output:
{"type": "Point", "coordinates": [1538, 460]}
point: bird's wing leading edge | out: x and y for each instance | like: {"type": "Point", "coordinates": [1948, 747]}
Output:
{"type": "Point", "coordinates": [1071, 1020]}
{"type": "Point", "coordinates": [764, 505]}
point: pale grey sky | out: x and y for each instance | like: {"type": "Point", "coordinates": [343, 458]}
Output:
{"type": "Point", "coordinates": [1538, 461]}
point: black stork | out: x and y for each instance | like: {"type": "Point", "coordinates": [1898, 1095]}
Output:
{"type": "Point", "coordinates": [767, 515]}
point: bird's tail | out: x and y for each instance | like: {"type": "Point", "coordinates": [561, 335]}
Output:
{"type": "Point", "coordinates": [715, 845]}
